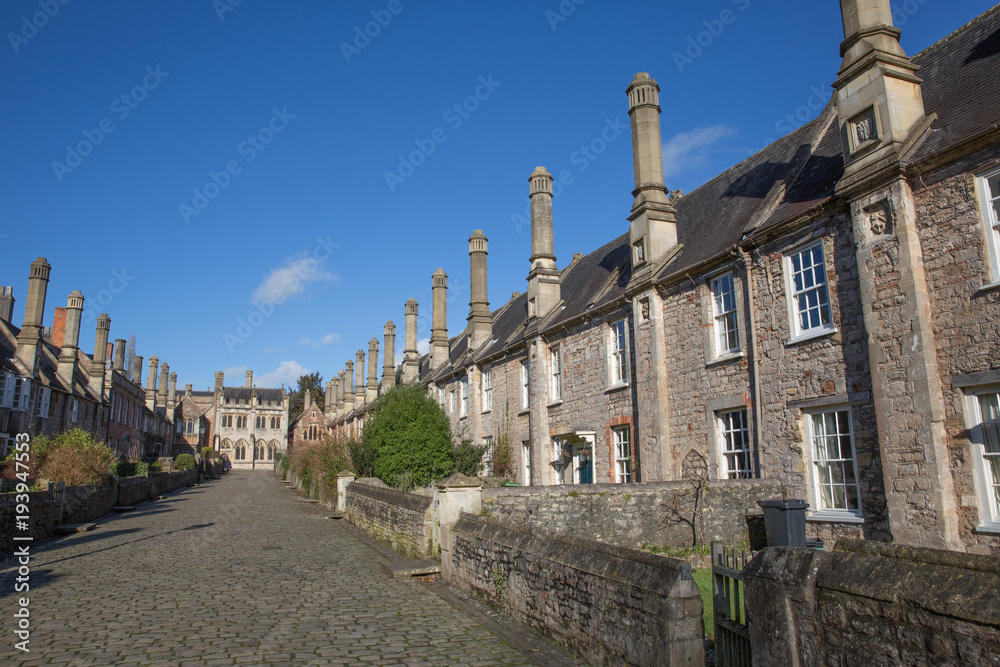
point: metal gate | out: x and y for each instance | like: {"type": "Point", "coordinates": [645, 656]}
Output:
{"type": "Point", "coordinates": [732, 636]}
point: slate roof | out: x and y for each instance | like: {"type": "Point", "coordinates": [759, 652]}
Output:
{"type": "Point", "coordinates": [245, 394]}
{"type": "Point", "coordinates": [790, 177]}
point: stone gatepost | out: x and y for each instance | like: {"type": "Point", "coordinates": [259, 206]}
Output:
{"type": "Point", "coordinates": [344, 479]}
{"type": "Point", "coordinates": [456, 494]}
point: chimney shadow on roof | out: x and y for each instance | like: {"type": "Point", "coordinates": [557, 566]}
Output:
{"type": "Point", "coordinates": [989, 46]}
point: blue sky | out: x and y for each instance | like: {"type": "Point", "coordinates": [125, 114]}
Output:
{"type": "Point", "coordinates": [261, 184]}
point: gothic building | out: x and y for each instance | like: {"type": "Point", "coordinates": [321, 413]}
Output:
{"type": "Point", "coordinates": [826, 312]}
{"type": "Point", "coordinates": [249, 425]}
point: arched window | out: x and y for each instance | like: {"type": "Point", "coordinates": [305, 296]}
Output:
{"type": "Point", "coordinates": [241, 450]}
{"type": "Point", "coordinates": [227, 443]}
{"type": "Point", "coordinates": [270, 453]}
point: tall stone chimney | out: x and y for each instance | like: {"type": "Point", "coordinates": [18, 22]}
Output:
{"type": "Point", "coordinates": [411, 356]}
{"type": "Point", "coordinates": [878, 95]}
{"type": "Point", "coordinates": [220, 379]}
{"type": "Point", "coordinates": [249, 380]}
{"type": "Point", "coordinates": [371, 391]}
{"type": "Point", "coordinates": [307, 398]}
{"type": "Point", "coordinates": [341, 391]}
{"type": "Point", "coordinates": [359, 380]}
{"type": "Point", "coordinates": [439, 320]}
{"type": "Point", "coordinates": [71, 337]}
{"type": "Point", "coordinates": [187, 390]}
{"type": "Point", "coordinates": [151, 383]}
{"type": "Point", "coordinates": [100, 352]}
{"type": "Point", "coordinates": [171, 390]}
{"type": "Point", "coordinates": [328, 398]}
{"type": "Point", "coordinates": [137, 370]}
{"type": "Point", "coordinates": [389, 368]}
{"type": "Point", "coordinates": [543, 279]}
{"type": "Point", "coordinates": [119, 364]}
{"type": "Point", "coordinates": [161, 397]}
{"type": "Point", "coordinates": [653, 220]}
{"type": "Point", "coordinates": [7, 304]}
{"type": "Point", "coordinates": [480, 318]}
{"type": "Point", "coordinates": [349, 386]}
{"type": "Point", "coordinates": [34, 308]}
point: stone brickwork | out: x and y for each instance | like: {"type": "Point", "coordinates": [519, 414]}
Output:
{"type": "Point", "coordinates": [43, 515]}
{"type": "Point", "coordinates": [86, 503]}
{"type": "Point", "coordinates": [654, 514]}
{"type": "Point", "coordinates": [404, 521]}
{"type": "Point", "coordinates": [132, 490]}
{"type": "Point", "coordinates": [162, 483]}
{"type": "Point", "coordinates": [608, 605]}
{"type": "Point", "coordinates": [873, 604]}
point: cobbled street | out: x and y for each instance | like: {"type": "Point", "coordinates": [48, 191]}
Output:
{"type": "Point", "coordinates": [236, 571]}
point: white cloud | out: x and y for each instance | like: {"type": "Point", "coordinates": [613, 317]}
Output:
{"type": "Point", "coordinates": [287, 373]}
{"type": "Point", "coordinates": [691, 150]}
{"type": "Point", "coordinates": [325, 340]}
{"type": "Point", "coordinates": [424, 345]}
{"type": "Point", "coordinates": [291, 279]}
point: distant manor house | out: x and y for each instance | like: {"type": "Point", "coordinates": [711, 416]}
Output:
{"type": "Point", "coordinates": [825, 313]}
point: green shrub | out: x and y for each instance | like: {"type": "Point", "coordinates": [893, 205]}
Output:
{"type": "Point", "coordinates": [184, 462]}
{"type": "Point", "coordinates": [404, 482]}
{"type": "Point", "coordinates": [285, 464]}
{"type": "Point", "coordinates": [408, 431]}
{"type": "Point", "coordinates": [331, 459]}
{"type": "Point", "coordinates": [125, 469]}
{"type": "Point", "coordinates": [468, 458]}
{"type": "Point", "coordinates": [362, 458]}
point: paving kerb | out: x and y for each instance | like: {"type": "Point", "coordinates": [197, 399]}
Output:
{"type": "Point", "coordinates": [186, 580]}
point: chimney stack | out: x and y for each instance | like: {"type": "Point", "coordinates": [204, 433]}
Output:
{"type": "Point", "coordinates": [151, 383]}
{"type": "Point", "coordinates": [543, 280]}
{"type": "Point", "coordinates": [71, 338]}
{"type": "Point", "coordinates": [349, 386]}
{"type": "Point", "coordinates": [653, 220]}
{"type": "Point", "coordinates": [371, 391]}
{"type": "Point", "coordinates": [161, 397]}
{"type": "Point", "coordinates": [328, 398]}
{"type": "Point", "coordinates": [480, 318]}
{"type": "Point", "coordinates": [100, 350]}
{"type": "Point", "coordinates": [249, 380]}
{"type": "Point", "coordinates": [411, 356]}
{"type": "Point", "coordinates": [171, 390]}
{"type": "Point", "coordinates": [439, 320]}
{"type": "Point", "coordinates": [359, 381]}
{"type": "Point", "coordinates": [120, 355]}
{"type": "Point", "coordinates": [34, 308]}
{"type": "Point", "coordinates": [389, 369]}
{"type": "Point", "coordinates": [341, 392]}
{"type": "Point", "coordinates": [878, 95]}
{"type": "Point", "coordinates": [220, 378]}
{"type": "Point", "coordinates": [187, 390]}
{"type": "Point", "coordinates": [7, 304]}
{"type": "Point", "coordinates": [137, 370]}
{"type": "Point", "coordinates": [307, 398]}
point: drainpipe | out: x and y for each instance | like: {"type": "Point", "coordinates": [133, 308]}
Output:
{"type": "Point", "coordinates": [752, 322]}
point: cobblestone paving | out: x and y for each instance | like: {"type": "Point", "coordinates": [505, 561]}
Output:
{"type": "Point", "coordinates": [233, 572]}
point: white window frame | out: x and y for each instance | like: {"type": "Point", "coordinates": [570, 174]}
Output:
{"type": "Point", "coordinates": [622, 436]}
{"type": "Point", "coordinates": [989, 503]}
{"type": "Point", "coordinates": [488, 390]}
{"type": "Point", "coordinates": [74, 410]}
{"type": "Point", "coordinates": [725, 321]}
{"type": "Point", "coordinates": [794, 294]}
{"type": "Point", "coordinates": [21, 392]}
{"type": "Point", "coordinates": [989, 201]}
{"type": "Point", "coordinates": [729, 435]}
{"type": "Point", "coordinates": [556, 367]}
{"type": "Point", "coordinates": [821, 512]}
{"type": "Point", "coordinates": [6, 390]}
{"type": "Point", "coordinates": [524, 375]}
{"type": "Point", "coordinates": [526, 462]}
{"type": "Point", "coordinates": [43, 403]}
{"type": "Point", "coordinates": [618, 354]}
{"type": "Point", "coordinates": [463, 396]}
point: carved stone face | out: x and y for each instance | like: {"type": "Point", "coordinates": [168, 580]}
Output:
{"type": "Point", "coordinates": [878, 218]}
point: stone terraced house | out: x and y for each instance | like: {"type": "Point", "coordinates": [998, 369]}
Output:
{"type": "Point", "coordinates": [825, 313]}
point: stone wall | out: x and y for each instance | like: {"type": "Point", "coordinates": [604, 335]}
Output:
{"type": "Point", "coordinates": [404, 521]}
{"type": "Point", "coordinates": [86, 503]}
{"type": "Point", "coordinates": [166, 482]}
{"type": "Point", "coordinates": [132, 490]}
{"type": "Point", "coordinates": [636, 515]}
{"type": "Point", "coordinates": [608, 605]}
{"type": "Point", "coordinates": [43, 515]}
{"type": "Point", "coordinates": [870, 603]}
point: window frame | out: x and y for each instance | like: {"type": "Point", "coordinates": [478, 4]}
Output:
{"type": "Point", "coordinates": [988, 503]}
{"type": "Point", "coordinates": [621, 476]}
{"type": "Point", "coordinates": [991, 221]}
{"type": "Point", "coordinates": [524, 391]}
{"type": "Point", "coordinates": [724, 429]}
{"type": "Point", "coordinates": [617, 354]}
{"type": "Point", "coordinates": [488, 390]}
{"type": "Point", "coordinates": [555, 368]}
{"type": "Point", "coordinates": [716, 315]}
{"type": "Point", "coordinates": [792, 295]}
{"type": "Point", "coordinates": [818, 511]}
{"type": "Point", "coordinates": [463, 396]}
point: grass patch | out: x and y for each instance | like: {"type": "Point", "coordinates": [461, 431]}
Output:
{"type": "Point", "coordinates": [703, 578]}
